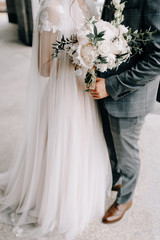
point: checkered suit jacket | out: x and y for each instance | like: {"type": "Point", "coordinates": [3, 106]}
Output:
{"type": "Point", "coordinates": [133, 87]}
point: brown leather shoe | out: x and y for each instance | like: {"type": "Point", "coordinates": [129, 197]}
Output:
{"type": "Point", "coordinates": [116, 212]}
{"type": "Point", "coordinates": [117, 187]}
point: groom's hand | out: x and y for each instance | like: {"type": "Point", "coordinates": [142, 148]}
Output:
{"type": "Point", "coordinates": [99, 91]}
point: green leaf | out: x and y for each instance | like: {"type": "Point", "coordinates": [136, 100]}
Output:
{"type": "Point", "coordinates": [95, 30]}
{"type": "Point", "coordinates": [100, 39]}
{"type": "Point", "coordinates": [90, 35]}
{"type": "Point", "coordinates": [129, 31]}
{"type": "Point", "coordinates": [101, 34]}
{"type": "Point", "coordinates": [86, 90]}
{"type": "Point", "coordinates": [94, 22]}
{"type": "Point", "coordinates": [95, 41]}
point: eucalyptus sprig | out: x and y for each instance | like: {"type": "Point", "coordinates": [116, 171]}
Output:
{"type": "Point", "coordinates": [63, 44]}
{"type": "Point", "coordinates": [139, 39]}
{"type": "Point", "coordinates": [96, 37]}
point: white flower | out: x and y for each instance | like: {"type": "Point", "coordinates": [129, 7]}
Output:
{"type": "Point", "coordinates": [111, 59]}
{"type": "Point", "coordinates": [114, 48]}
{"type": "Point", "coordinates": [116, 2]}
{"type": "Point", "coordinates": [119, 46]}
{"type": "Point", "coordinates": [122, 29]}
{"type": "Point", "coordinates": [117, 13]}
{"type": "Point", "coordinates": [110, 32]}
{"type": "Point", "coordinates": [122, 6]}
{"type": "Point", "coordinates": [102, 67]}
{"type": "Point", "coordinates": [118, 21]}
{"type": "Point", "coordinates": [104, 48]}
{"type": "Point", "coordinates": [82, 36]}
{"type": "Point", "coordinates": [87, 55]}
{"type": "Point", "coordinates": [101, 25]}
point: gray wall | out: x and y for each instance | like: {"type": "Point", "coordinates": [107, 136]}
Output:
{"type": "Point", "coordinates": [12, 15]}
{"type": "Point", "coordinates": [21, 12]}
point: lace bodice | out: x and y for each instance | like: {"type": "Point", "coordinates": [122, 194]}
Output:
{"type": "Point", "coordinates": [49, 23]}
{"type": "Point", "coordinates": [53, 18]}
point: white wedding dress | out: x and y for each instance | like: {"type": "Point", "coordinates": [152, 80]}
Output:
{"type": "Point", "coordinates": [61, 173]}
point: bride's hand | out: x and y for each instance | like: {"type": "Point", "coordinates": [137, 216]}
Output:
{"type": "Point", "coordinates": [100, 90]}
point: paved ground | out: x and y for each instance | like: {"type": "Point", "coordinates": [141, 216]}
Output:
{"type": "Point", "coordinates": [142, 222]}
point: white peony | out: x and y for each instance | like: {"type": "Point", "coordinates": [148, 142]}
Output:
{"type": "Point", "coordinates": [87, 55]}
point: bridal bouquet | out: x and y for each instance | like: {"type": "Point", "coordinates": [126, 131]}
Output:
{"type": "Point", "coordinates": [101, 45]}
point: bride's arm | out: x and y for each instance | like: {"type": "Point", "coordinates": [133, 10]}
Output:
{"type": "Point", "coordinates": [44, 54]}
{"type": "Point", "coordinates": [47, 36]}
{"type": "Point", "coordinates": [46, 39]}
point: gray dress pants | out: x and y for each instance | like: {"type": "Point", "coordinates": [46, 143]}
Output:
{"type": "Point", "coordinates": [122, 136]}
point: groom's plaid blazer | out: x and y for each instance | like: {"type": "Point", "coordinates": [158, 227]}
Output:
{"type": "Point", "coordinates": [133, 87]}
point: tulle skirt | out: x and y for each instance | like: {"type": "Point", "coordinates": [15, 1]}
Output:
{"type": "Point", "coordinates": [61, 173]}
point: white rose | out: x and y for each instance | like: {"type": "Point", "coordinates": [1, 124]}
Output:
{"type": "Point", "coordinates": [111, 32]}
{"type": "Point", "coordinates": [119, 46]}
{"type": "Point", "coordinates": [122, 29]}
{"type": "Point", "coordinates": [111, 59]}
{"type": "Point", "coordinates": [101, 25]}
{"type": "Point", "coordinates": [103, 48]}
{"type": "Point", "coordinates": [82, 36]}
{"type": "Point", "coordinates": [87, 55]}
{"type": "Point", "coordinates": [88, 26]}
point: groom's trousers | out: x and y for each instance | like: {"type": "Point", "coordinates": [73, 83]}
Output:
{"type": "Point", "coordinates": [122, 136]}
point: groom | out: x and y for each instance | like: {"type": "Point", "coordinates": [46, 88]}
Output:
{"type": "Point", "coordinates": [126, 96]}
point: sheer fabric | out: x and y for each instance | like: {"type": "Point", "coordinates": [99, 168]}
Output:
{"type": "Point", "coordinates": [61, 174]}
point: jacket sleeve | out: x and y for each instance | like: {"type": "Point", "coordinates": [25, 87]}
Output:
{"type": "Point", "coordinates": [148, 68]}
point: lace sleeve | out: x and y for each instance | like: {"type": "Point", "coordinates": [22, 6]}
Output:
{"type": "Point", "coordinates": [49, 19]}
{"type": "Point", "coordinates": [48, 24]}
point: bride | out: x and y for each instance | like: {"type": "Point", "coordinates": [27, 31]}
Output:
{"type": "Point", "coordinates": [61, 173]}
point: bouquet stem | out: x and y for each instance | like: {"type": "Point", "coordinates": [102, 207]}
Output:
{"type": "Point", "coordinates": [90, 79]}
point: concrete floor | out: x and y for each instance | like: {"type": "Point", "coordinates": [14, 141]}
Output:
{"type": "Point", "coordinates": [142, 221]}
